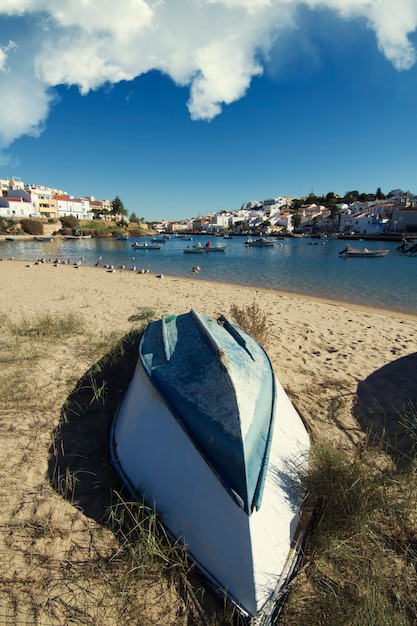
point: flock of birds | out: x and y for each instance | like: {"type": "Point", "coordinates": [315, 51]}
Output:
{"type": "Point", "coordinates": [110, 268]}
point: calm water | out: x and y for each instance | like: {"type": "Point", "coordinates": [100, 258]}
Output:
{"type": "Point", "coordinates": [291, 265]}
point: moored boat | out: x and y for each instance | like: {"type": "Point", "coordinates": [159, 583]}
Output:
{"type": "Point", "coordinates": [207, 434]}
{"type": "Point", "coordinates": [216, 248]}
{"type": "Point", "coordinates": [199, 248]}
{"type": "Point", "coordinates": [261, 242]}
{"type": "Point", "coordinates": [363, 252]}
{"type": "Point", "coordinates": [42, 238]}
{"type": "Point", "coordinates": [194, 250]}
{"type": "Point", "coordinates": [146, 246]}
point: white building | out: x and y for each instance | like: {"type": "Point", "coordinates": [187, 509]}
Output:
{"type": "Point", "coordinates": [78, 207]}
{"type": "Point", "coordinates": [18, 207]}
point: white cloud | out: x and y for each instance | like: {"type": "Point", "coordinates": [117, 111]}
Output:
{"type": "Point", "coordinates": [214, 47]}
{"type": "Point", "coordinates": [391, 20]}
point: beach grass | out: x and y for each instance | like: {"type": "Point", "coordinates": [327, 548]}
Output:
{"type": "Point", "coordinates": [361, 560]}
{"type": "Point", "coordinates": [48, 325]}
{"type": "Point", "coordinates": [77, 549]}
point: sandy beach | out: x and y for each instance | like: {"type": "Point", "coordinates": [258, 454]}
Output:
{"type": "Point", "coordinates": [359, 361]}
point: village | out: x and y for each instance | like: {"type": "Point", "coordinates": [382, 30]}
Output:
{"type": "Point", "coordinates": [394, 214]}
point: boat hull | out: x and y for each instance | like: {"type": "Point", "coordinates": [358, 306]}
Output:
{"type": "Point", "coordinates": [146, 246]}
{"type": "Point", "coordinates": [245, 554]}
{"type": "Point", "coordinates": [259, 243]}
{"type": "Point", "coordinates": [369, 253]}
{"type": "Point", "coordinates": [362, 252]}
{"type": "Point", "coordinates": [193, 250]}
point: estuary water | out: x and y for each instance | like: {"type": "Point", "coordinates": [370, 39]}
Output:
{"type": "Point", "coordinates": [304, 266]}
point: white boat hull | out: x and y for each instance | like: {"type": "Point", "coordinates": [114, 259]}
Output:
{"type": "Point", "coordinates": [245, 556]}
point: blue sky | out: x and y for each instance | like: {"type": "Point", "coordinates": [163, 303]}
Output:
{"type": "Point", "coordinates": [241, 100]}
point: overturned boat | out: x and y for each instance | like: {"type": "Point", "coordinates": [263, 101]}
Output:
{"type": "Point", "coordinates": [207, 436]}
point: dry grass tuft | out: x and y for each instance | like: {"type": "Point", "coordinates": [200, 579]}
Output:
{"type": "Point", "coordinates": [253, 320]}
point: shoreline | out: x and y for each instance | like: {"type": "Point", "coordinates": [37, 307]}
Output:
{"type": "Point", "coordinates": [310, 341]}
{"type": "Point", "coordinates": [408, 315]}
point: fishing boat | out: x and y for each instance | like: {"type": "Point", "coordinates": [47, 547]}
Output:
{"type": "Point", "coordinates": [362, 252]}
{"type": "Point", "coordinates": [194, 250]}
{"type": "Point", "coordinates": [262, 242]}
{"type": "Point", "coordinates": [216, 248]}
{"type": "Point", "coordinates": [199, 248]}
{"type": "Point", "coordinates": [207, 435]}
{"type": "Point", "coordinates": [146, 246]}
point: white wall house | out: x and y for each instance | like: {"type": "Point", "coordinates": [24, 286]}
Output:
{"type": "Point", "coordinates": [219, 222]}
{"type": "Point", "coordinates": [78, 207]}
{"type": "Point", "coordinates": [15, 207]}
{"type": "Point", "coordinates": [368, 224]}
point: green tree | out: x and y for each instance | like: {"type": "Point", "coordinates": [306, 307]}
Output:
{"type": "Point", "coordinates": [334, 213]}
{"type": "Point", "coordinates": [350, 196]}
{"type": "Point", "coordinates": [117, 207]}
{"type": "Point", "coordinates": [69, 221]}
{"type": "Point", "coordinates": [379, 195]}
{"type": "Point", "coordinates": [296, 220]}
{"type": "Point", "coordinates": [296, 203]}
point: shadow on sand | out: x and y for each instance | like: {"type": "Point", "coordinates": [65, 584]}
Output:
{"type": "Point", "coordinates": [382, 398]}
{"type": "Point", "coordinates": [79, 466]}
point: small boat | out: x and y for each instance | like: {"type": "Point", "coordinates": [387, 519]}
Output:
{"type": "Point", "coordinates": [186, 238]}
{"type": "Point", "coordinates": [262, 242]}
{"type": "Point", "coordinates": [10, 238]}
{"type": "Point", "coordinates": [122, 237]}
{"type": "Point", "coordinates": [207, 435]}
{"type": "Point", "coordinates": [216, 248]}
{"type": "Point", "coordinates": [42, 239]}
{"type": "Point", "coordinates": [146, 246]}
{"type": "Point", "coordinates": [199, 248]}
{"type": "Point", "coordinates": [362, 252]}
{"type": "Point", "coordinates": [159, 239]}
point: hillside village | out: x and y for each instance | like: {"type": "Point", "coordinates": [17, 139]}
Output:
{"type": "Point", "coordinates": [396, 213]}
